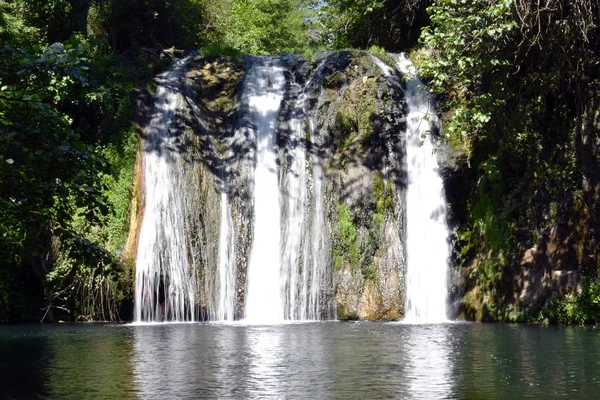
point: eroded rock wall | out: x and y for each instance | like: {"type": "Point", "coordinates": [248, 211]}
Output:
{"type": "Point", "coordinates": [359, 139]}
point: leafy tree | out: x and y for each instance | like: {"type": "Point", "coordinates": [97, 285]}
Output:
{"type": "Point", "coordinates": [67, 146]}
{"type": "Point", "coordinates": [57, 20]}
{"type": "Point", "coordinates": [44, 162]}
{"type": "Point", "coordinates": [13, 27]}
{"type": "Point", "coordinates": [365, 23]}
{"type": "Point", "coordinates": [48, 175]}
{"type": "Point", "coordinates": [260, 26]}
{"type": "Point", "coordinates": [469, 47]}
{"type": "Point", "coordinates": [151, 23]}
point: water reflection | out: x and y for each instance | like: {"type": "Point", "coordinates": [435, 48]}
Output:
{"type": "Point", "coordinates": [365, 373]}
{"type": "Point", "coordinates": [430, 359]}
{"type": "Point", "coordinates": [91, 361]}
{"type": "Point", "coordinates": [266, 362]}
{"type": "Point", "coordinates": [167, 359]}
{"type": "Point", "coordinates": [65, 362]}
{"type": "Point", "coordinates": [225, 349]}
{"type": "Point", "coordinates": [19, 377]}
{"type": "Point", "coordinates": [299, 361]}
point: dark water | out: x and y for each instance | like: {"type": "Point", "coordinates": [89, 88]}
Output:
{"type": "Point", "coordinates": [315, 360]}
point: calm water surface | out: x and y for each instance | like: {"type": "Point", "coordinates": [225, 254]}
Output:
{"type": "Point", "coordinates": [311, 360]}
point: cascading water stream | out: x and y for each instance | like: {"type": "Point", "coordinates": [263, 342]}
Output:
{"type": "Point", "coordinates": [318, 240]}
{"type": "Point", "coordinates": [288, 262]}
{"type": "Point", "coordinates": [227, 269]}
{"type": "Point", "coordinates": [318, 245]}
{"type": "Point", "coordinates": [165, 285]}
{"type": "Point", "coordinates": [304, 248]}
{"type": "Point", "coordinates": [265, 84]}
{"type": "Point", "coordinates": [427, 233]}
{"type": "Point", "coordinates": [294, 196]}
{"type": "Point", "coordinates": [427, 249]}
{"type": "Point", "coordinates": [284, 285]}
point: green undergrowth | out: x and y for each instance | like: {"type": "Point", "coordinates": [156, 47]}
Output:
{"type": "Point", "coordinates": [579, 309]}
{"type": "Point", "coordinates": [380, 53]}
{"type": "Point", "coordinates": [346, 247]}
{"type": "Point", "coordinates": [99, 288]}
{"type": "Point", "coordinates": [216, 50]}
{"type": "Point", "coordinates": [487, 238]}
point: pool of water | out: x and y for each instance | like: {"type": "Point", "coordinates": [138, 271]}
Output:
{"type": "Point", "coordinates": [310, 360]}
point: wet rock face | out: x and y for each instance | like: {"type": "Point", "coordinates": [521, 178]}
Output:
{"type": "Point", "coordinates": [211, 88]}
{"type": "Point", "coordinates": [359, 137]}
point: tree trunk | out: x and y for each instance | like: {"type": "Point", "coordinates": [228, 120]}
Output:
{"type": "Point", "coordinates": [79, 15]}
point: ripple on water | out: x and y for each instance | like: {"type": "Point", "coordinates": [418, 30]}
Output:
{"type": "Point", "coordinates": [306, 360]}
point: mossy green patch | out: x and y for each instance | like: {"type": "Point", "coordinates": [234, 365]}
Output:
{"type": "Point", "coordinates": [351, 98]}
{"type": "Point", "coordinates": [346, 248]}
{"type": "Point", "coordinates": [218, 50]}
{"type": "Point", "coordinates": [582, 308]}
{"type": "Point", "coordinates": [384, 195]}
{"type": "Point", "coordinates": [380, 53]}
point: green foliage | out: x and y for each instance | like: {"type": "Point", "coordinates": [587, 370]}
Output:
{"type": "Point", "coordinates": [189, 18]}
{"type": "Point", "coordinates": [343, 18]}
{"type": "Point", "coordinates": [346, 248]}
{"type": "Point", "coordinates": [67, 150]}
{"type": "Point", "coordinates": [54, 19]}
{"type": "Point", "coordinates": [364, 23]}
{"type": "Point", "coordinates": [94, 290]}
{"type": "Point", "coordinates": [516, 81]}
{"type": "Point", "coordinates": [214, 50]}
{"type": "Point", "coordinates": [580, 309]}
{"type": "Point", "coordinates": [150, 23]}
{"type": "Point", "coordinates": [263, 26]}
{"type": "Point", "coordinates": [120, 154]}
{"type": "Point", "coordinates": [489, 270]}
{"type": "Point", "coordinates": [45, 169]}
{"type": "Point", "coordinates": [489, 224]}
{"type": "Point", "coordinates": [467, 43]}
{"type": "Point", "coordinates": [13, 27]}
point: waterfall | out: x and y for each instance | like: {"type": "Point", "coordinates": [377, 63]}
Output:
{"type": "Point", "coordinates": [265, 85]}
{"type": "Point", "coordinates": [288, 215]}
{"type": "Point", "coordinates": [165, 286]}
{"type": "Point", "coordinates": [169, 248]}
{"type": "Point", "coordinates": [427, 233]}
{"type": "Point", "coordinates": [319, 247]}
{"type": "Point", "coordinates": [227, 268]}
{"type": "Point", "coordinates": [312, 306]}
{"type": "Point", "coordinates": [248, 198]}
{"type": "Point", "coordinates": [180, 259]}
{"type": "Point", "coordinates": [295, 201]}
{"type": "Point", "coordinates": [304, 250]}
